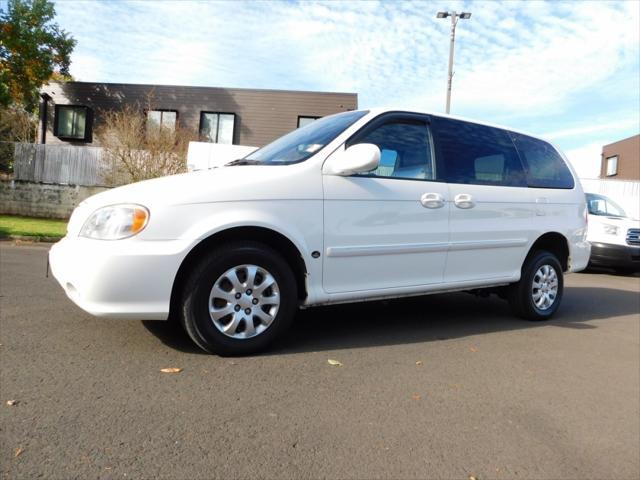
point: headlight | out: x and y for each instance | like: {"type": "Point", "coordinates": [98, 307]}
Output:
{"type": "Point", "coordinates": [610, 229]}
{"type": "Point", "coordinates": [115, 222]}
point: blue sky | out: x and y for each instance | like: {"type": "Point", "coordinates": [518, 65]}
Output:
{"type": "Point", "coordinates": [569, 71]}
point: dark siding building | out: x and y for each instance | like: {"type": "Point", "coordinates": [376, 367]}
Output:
{"type": "Point", "coordinates": [621, 160]}
{"type": "Point", "coordinates": [69, 112]}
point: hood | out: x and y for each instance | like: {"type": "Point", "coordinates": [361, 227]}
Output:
{"type": "Point", "coordinates": [624, 223]}
{"type": "Point", "coordinates": [233, 183]}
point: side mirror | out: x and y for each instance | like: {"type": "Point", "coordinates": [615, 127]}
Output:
{"type": "Point", "coordinates": [359, 158]}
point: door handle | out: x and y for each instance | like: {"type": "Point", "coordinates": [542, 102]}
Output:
{"type": "Point", "coordinates": [432, 200]}
{"type": "Point", "coordinates": [464, 200]}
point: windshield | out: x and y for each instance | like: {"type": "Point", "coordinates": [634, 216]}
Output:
{"type": "Point", "coordinates": [303, 142]}
{"type": "Point", "coordinates": [601, 205]}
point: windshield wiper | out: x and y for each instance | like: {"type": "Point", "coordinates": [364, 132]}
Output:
{"type": "Point", "coordinates": [242, 161]}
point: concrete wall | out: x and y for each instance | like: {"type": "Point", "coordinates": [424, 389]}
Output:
{"type": "Point", "coordinates": [42, 200]}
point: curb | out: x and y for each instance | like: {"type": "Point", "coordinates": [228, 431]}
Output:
{"type": "Point", "coordinates": [29, 238]}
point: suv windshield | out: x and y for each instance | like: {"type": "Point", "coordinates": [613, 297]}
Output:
{"type": "Point", "coordinates": [303, 142]}
{"type": "Point", "coordinates": [601, 205]}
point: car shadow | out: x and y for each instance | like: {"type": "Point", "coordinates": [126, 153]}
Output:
{"type": "Point", "coordinates": [609, 271]}
{"type": "Point", "coordinates": [429, 318]}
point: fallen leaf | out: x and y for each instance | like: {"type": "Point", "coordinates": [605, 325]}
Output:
{"type": "Point", "coordinates": [415, 397]}
{"type": "Point", "coordinates": [18, 452]}
{"type": "Point", "coordinates": [471, 477]}
{"type": "Point", "coordinates": [418, 363]}
{"type": "Point", "coordinates": [11, 403]}
{"type": "Point", "coordinates": [334, 363]}
{"type": "Point", "coordinates": [171, 370]}
{"type": "Point", "coordinates": [473, 349]}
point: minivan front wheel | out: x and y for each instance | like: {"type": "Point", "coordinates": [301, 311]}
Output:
{"type": "Point", "coordinates": [538, 294]}
{"type": "Point", "coordinates": [238, 299]}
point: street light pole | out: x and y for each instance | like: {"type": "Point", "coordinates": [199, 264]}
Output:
{"type": "Point", "coordinates": [454, 21]}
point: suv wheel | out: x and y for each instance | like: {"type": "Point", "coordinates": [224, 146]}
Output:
{"type": "Point", "coordinates": [238, 299]}
{"type": "Point", "coordinates": [538, 294]}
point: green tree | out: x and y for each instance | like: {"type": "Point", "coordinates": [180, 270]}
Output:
{"type": "Point", "coordinates": [32, 49]}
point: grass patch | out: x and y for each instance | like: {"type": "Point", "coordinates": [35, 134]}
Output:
{"type": "Point", "coordinates": [32, 227]}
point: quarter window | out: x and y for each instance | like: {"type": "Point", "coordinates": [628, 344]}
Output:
{"type": "Point", "coordinates": [477, 154]}
{"type": "Point", "coordinates": [405, 150]}
{"type": "Point", "coordinates": [544, 166]}
{"type": "Point", "coordinates": [162, 119]}
{"type": "Point", "coordinates": [72, 123]}
{"type": "Point", "coordinates": [217, 127]}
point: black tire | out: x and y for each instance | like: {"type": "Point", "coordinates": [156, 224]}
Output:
{"type": "Point", "coordinates": [195, 317]}
{"type": "Point", "coordinates": [520, 294]}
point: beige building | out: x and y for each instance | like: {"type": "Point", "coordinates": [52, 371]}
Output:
{"type": "Point", "coordinates": [621, 160]}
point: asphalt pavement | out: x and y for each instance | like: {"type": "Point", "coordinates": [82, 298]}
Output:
{"type": "Point", "coordinates": [443, 386]}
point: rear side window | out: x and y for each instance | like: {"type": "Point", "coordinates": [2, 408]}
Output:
{"type": "Point", "coordinates": [477, 154]}
{"type": "Point", "coordinates": [544, 166]}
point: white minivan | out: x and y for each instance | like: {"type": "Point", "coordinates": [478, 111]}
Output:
{"type": "Point", "coordinates": [360, 205]}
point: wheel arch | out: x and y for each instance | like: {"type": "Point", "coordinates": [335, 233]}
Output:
{"type": "Point", "coordinates": [552, 242]}
{"type": "Point", "coordinates": [276, 240]}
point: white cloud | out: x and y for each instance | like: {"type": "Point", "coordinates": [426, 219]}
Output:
{"type": "Point", "coordinates": [536, 66]}
{"type": "Point", "coordinates": [586, 160]}
{"type": "Point", "coordinates": [631, 122]}
{"type": "Point", "coordinates": [86, 67]}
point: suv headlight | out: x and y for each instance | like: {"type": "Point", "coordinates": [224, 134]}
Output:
{"type": "Point", "coordinates": [610, 229]}
{"type": "Point", "coordinates": [115, 222]}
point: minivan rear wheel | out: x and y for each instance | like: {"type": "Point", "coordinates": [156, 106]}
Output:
{"type": "Point", "coordinates": [538, 294]}
{"type": "Point", "coordinates": [238, 299]}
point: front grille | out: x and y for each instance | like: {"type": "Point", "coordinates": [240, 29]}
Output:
{"type": "Point", "coordinates": [633, 236]}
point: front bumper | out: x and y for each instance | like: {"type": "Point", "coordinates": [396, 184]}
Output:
{"type": "Point", "coordinates": [118, 279]}
{"type": "Point", "coordinates": [615, 256]}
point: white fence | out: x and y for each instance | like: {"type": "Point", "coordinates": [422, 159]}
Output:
{"type": "Point", "coordinates": [624, 192]}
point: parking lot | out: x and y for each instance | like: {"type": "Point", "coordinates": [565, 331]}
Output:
{"type": "Point", "coordinates": [445, 386]}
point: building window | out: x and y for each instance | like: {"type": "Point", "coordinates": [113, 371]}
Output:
{"type": "Point", "coordinates": [612, 166]}
{"type": "Point", "coordinates": [72, 122]}
{"type": "Point", "coordinates": [162, 119]}
{"type": "Point", "coordinates": [302, 121]}
{"type": "Point", "coordinates": [217, 127]}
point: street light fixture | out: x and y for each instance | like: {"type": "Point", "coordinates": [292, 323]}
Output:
{"type": "Point", "coordinates": [454, 21]}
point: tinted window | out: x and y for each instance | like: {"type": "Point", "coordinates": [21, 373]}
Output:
{"type": "Point", "coordinates": [162, 119]}
{"type": "Point", "coordinates": [304, 142]}
{"type": "Point", "coordinates": [477, 154]}
{"type": "Point", "coordinates": [405, 150]}
{"type": "Point", "coordinates": [304, 121]}
{"type": "Point", "coordinates": [72, 122]}
{"type": "Point", "coordinates": [217, 127]}
{"type": "Point", "coordinates": [545, 168]}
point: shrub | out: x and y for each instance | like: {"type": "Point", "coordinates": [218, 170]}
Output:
{"type": "Point", "coordinates": [136, 149]}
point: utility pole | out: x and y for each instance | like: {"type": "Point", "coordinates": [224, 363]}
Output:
{"type": "Point", "coordinates": [454, 21]}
